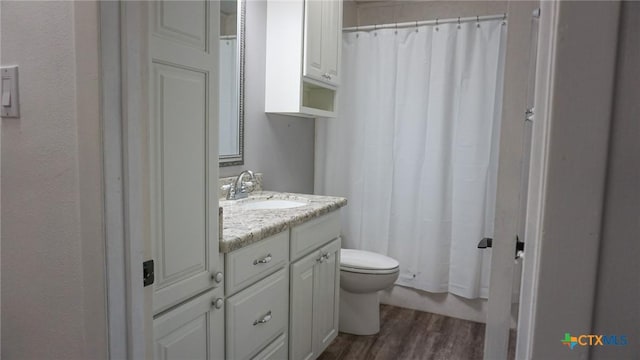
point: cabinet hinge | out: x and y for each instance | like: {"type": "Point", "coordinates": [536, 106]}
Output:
{"type": "Point", "coordinates": [147, 272]}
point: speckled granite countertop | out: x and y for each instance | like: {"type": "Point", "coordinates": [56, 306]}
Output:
{"type": "Point", "coordinates": [244, 226]}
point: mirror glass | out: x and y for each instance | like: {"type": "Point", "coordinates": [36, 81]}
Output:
{"type": "Point", "coordinates": [231, 83]}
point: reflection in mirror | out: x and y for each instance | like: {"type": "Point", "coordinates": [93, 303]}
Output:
{"type": "Point", "coordinates": [231, 83]}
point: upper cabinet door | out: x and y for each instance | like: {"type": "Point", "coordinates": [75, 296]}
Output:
{"type": "Point", "coordinates": [323, 25]}
{"type": "Point", "coordinates": [313, 44]}
{"type": "Point", "coordinates": [331, 40]}
{"type": "Point", "coordinates": [183, 152]}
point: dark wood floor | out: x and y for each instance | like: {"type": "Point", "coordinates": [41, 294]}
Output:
{"type": "Point", "coordinates": [412, 334]}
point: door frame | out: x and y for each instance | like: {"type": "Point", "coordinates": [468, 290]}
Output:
{"type": "Point", "coordinates": [568, 163]}
{"type": "Point", "coordinates": [123, 46]}
{"type": "Point", "coordinates": [509, 183]}
{"type": "Point", "coordinates": [567, 175]}
{"type": "Point", "coordinates": [547, 32]}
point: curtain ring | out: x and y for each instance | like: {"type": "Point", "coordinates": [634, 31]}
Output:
{"type": "Point", "coordinates": [375, 29]}
{"type": "Point", "coordinates": [396, 31]}
{"type": "Point", "coordinates": [477, 21]}
{"type": "Point", "coordinates": [504, 19]}
{"type": "Point", "coordinates": [437, 20]}
{"type": "Point", "coordinates": [458, 22]}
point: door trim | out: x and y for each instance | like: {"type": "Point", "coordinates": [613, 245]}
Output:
{"type": "Point", "coordinates": [508, 197]}
{"type": "Point", "coordinates": [123, 109]}
{"type": "Point", "coordinates": [547, 32]}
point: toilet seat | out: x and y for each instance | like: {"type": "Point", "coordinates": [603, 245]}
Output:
{"type": "Point", "coordinates": [367, 262]}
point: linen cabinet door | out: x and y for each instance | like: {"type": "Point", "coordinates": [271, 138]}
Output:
{"type": "Point", "coordinates": [301, 317]}
{"type": "Point", "coordinates": [183, 148]}
{"type": "Point", "coordinates": [193, 330]}
{"type": "Point", "coordinates": [326, 296]}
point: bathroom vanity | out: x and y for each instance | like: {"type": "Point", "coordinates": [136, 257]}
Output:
{"type": "Point", "coordinates": [281, 260]}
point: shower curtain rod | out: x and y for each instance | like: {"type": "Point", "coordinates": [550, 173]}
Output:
{"type": "Point", "coordinates": [427, 22]}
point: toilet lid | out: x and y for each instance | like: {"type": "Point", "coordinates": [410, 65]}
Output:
{"type": "Point", "coordinates": [366, 260]}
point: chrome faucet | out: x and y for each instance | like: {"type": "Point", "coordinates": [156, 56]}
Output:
{"type": "Point", "coordinates": [240, 189]}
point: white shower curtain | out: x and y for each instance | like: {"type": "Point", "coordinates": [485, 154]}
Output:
{"type": "Point", "coordinates": [414, 149]}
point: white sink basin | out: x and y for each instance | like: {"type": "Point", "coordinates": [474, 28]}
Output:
{"type": "Point", "coordinates": [272, 204]}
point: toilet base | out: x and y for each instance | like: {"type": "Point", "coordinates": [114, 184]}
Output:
{"type": "Point", "coordinates": [359, 313]}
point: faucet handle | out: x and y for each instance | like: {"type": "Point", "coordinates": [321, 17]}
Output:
{"type": "Point", "coordinates": [247, 184]}
{"type": "Point", "coordinates": [228, 190]}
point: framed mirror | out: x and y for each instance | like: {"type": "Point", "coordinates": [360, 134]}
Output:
{"type": "Point", "coordinates": [231, 92]}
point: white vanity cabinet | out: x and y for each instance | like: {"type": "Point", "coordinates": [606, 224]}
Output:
{"type": "Point", "coordinates": [304, 41]}
{"type": "Point", "coordinates": [315, 288]}
{"type": "Point", "coordinates": [282, 293]}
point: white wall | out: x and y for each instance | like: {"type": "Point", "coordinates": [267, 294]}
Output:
{"type": "Point", "coordinates": [281, 147]}
{"type": "Point", "coordinates": [617, 302]}
{"type": "Point", "coordinates": [52, 259]}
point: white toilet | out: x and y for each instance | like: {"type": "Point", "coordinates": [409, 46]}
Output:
{"type": "Point", "coordinates": [362, 275]}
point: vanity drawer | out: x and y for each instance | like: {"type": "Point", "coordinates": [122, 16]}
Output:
{"type": "Point", "coordinates": [314, 233]}
{"type": "Point", "coordinates": [257, 315]}
{"type": "Point", "coordinates": [277, 350]}
{"type": "Point", "coordinates": [254, 262]}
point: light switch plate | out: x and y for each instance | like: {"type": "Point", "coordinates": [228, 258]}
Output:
{"type": "Point", "coordinates": [10, 104]}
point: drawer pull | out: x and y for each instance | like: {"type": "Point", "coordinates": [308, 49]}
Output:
{"type": "Point", "coordinates": [264, 319]}
{"type": "Point", "coordinates": [264, 260]}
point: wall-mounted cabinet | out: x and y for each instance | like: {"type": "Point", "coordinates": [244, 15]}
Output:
{"type": "Point", "coordinates": [303, 57]}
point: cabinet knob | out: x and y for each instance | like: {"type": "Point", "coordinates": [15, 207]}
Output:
{"type": "Point", "coordinates": [320, 259]}
{"type": "Point", "coordinates": [217, 303]}
{"type": "Point", "coordinates": [327, 256]}
{"type": "Point", "coordinates": [217, 277]}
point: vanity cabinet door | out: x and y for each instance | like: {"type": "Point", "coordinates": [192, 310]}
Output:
{"type": "Point", "coordinates": [315, 286]}
{"type": "Point", "coordinates": [326, 296]}
{"type": "Point", "coordinates": [193, 330]}
{"type": "Point", "coordinates": [301, 317]}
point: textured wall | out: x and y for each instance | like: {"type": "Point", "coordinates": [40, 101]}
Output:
{"type": "Point", "coordinates": [388, 12]}
{"type": "Point", "coordinates": [281, 147]}
{"type": "Point", "coordinates": [52, 259]}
